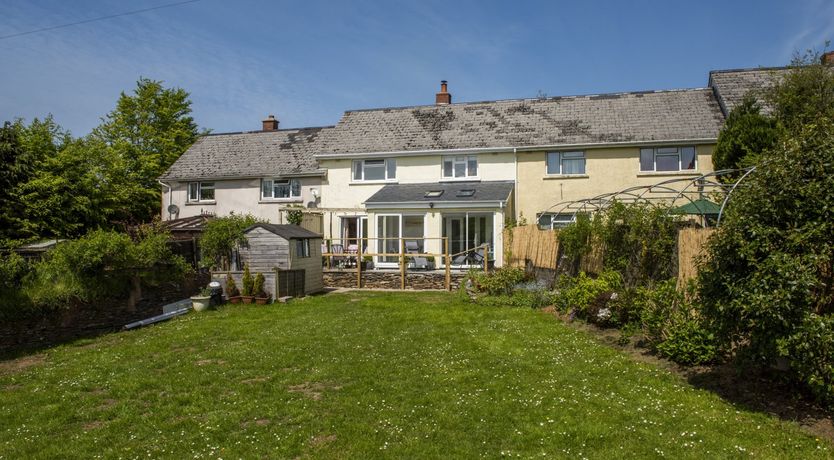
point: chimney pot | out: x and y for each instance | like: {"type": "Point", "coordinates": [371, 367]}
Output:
{"type": "Point", "coordinates": [443, 97]}
{"type": "Point", "coordinates": [827, 58]}
{"type": "Point", "coordinates": [270, 123]}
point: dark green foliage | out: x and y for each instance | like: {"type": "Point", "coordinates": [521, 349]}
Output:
{"type": "Point", "coordinates": [745, 137]}
{"type": "Point", "coordinates": [688, 341]}
{"type": "Point", "coordinates": [810, 350]}
{"type": "Point", "coordinates": [578, 294]}
{"type": "Point", "coordinates": [804, 95]}
{"type": "Point", "coordinates": [248, 283]}
{"type": "Point", "coordinates": [231, 286]}
{"type": "Point", "coordinates": [221, 237]}
{"type": "Point", "coordinates": [575, 241]}
{"type": "Point", "coordinates": [258, 285]}
{"type": "Point", "coordinates": [295, 216]}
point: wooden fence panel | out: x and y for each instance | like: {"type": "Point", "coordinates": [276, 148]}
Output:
{"type": "Point", "coordinates": [529, 244]}
{"type": "Point", "coordinates": [690, 245]}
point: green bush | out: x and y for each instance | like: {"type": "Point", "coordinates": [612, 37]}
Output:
{"type": "Point", "coordinates": [578, 293]}
{"type": "Point", "coordinates": [501, 281]}
{"type": "Point", "coordinates": [810, 350]}
{"type": "Point", "coordinates": [220, 238]}
{"type": "Point", "coordinates": [687, 341]}
{"type": "Point", "coordinates": [258, 285]}
{"type": "Point", "coordinates": [248, 283]}
{"type": "Point", "coordinates": [231, 286]}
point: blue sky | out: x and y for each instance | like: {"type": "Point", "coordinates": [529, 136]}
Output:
{"type": "Point", "coordinates": [308, 61]}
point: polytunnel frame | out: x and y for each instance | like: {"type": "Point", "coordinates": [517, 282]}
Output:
{"type": "Point", "coordinates": [639, 193]}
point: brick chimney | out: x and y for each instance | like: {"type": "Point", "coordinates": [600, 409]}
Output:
{"type": "Point", "coordinates": [270, 123]}
{"type": "Point", "coordinates": [443, 97]}
{"type": "Point", "coordinates": [828, 58]}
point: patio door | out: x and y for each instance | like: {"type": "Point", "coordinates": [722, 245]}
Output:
{"type": "Point", "coordinates": [388, 234]}
{"type": "Point", "coordinates": [454, 228]}
{"type": "Point", "coordinates": [353, 229]}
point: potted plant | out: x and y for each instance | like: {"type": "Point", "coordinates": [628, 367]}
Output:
{"type": "Point", "coordinates": [202, 300]}
{"type": "Point", "coordinates": [248, 286]}
{"type": "Point", "coordinates": [367, 262]}
{"type": "Point", "coordinates": [261, 297]}
{"type": "Point", "coordinates": [232, 293]}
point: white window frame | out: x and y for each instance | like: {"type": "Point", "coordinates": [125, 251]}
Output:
{"type": "Point", "coordinates": [566, 219]}
{"type": "Point", "coordinates": [293, 184]}
{"type": "Point", "coordinates": [198, 188]}
{"type": "Point", "coordinates": [463, 160]}
{"type": "Point", "coordinates": [357, 173]}
{"type": "Point", "coordinates": [380, 260]}
{"type": "Point", "coordinates": [667, 151]}
{"type": "Point", "coordinates": [562, 156]}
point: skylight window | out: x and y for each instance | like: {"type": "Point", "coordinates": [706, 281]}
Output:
{"type": "Point", "coordinates": [433, 193]}
{"type": "Point", "coordinates": [466, 192]}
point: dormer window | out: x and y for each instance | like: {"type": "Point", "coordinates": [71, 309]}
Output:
{"type": "Point", "coordinates": [280, 189]}
{"type": "Point", "coordinates": [460, 166]}
{"type": "Point", "coordinates": [375, 170]}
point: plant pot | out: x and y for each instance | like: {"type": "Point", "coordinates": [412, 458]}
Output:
{"type": "Point", "coordinates": [200, 303]}
{"type": "Point", "coordinates": [261, 300]}
{"type": "Point", "coordinates": [247, 298]}
{"type": "Point", "coordinates": [235, 299]}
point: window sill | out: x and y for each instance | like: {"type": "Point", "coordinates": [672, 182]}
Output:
{"type": "Point", "coordinates": [461, 179]}
{"type": "Point", "coordinates": [565, 176]}
{"type": "Point", "coordinates": [280, 200]}
{"type": "Point", "coordinates": [668, 173]}
{"type": "Point", "coordinates": [373, 182]}
{"type": "Point", "coordinates": [200, 203]}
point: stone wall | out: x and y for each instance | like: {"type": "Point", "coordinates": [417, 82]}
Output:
{"type": "Point", "coordinates": [88, 320]}
{"type": "Point", "coordinates": [391, 279]}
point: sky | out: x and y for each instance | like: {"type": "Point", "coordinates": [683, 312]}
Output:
{"type": "Point", "coordinates": [309, 61]}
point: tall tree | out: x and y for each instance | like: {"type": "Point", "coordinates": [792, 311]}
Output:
{"type": "Point", "coordinates": [805, 95]}
{"type": "Point", "coordinates": [148, 130]}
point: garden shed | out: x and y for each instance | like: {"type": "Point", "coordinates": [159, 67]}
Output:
{"type": "Point", "coordinates": [288, 256]}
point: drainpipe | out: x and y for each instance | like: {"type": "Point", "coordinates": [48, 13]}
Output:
{"type": "Point", "coordinates": [515, 182]}
{"type": "Point", "coordinates": [170, 195]}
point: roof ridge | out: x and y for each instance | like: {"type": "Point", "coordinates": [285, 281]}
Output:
{"type": "Point", "coordinates": [536, 99]}
{"type": "Point", "coordinates": [749, 69]}
{"type": "Point", "coordinates": [231, 133]}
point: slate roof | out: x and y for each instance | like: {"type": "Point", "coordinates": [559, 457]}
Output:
{"type": "Point", "coordinates": [731, 86]}
{"type": "Point", "coordinates": [286, 231]}
{"type": "Point", "coordinates": [411, 193]}
{"type": "Point", "coordinates": [249, 154]}
{"type": "Point", "coordinates": [621, 117]}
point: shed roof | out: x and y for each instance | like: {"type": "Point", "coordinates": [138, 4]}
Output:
{"type": "Point", "coordinates": [251, 154]}
{"type": "Point", "coordinates": [286, 231]}
{"type": "Point", "coordinates": [685, 114]}
{"type": "Point", "coordinates": [450, 192]}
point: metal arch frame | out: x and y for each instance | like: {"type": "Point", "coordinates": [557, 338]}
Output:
{"type": "Point", "coordinates": [639, 193]}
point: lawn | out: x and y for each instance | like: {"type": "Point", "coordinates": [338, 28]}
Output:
{"type": "Point", "coordinates": [361, 375]}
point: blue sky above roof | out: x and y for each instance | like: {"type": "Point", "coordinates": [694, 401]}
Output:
{"type": "Point", "coordinates": [307, 62]}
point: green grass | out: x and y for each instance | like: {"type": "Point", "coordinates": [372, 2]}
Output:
{"type": "Point", "coordinates": [362, 375]}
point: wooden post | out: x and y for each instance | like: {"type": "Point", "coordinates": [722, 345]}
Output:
{"type": "Point", "coordinates": [329, 247]}
{"type": "Point", "coordinates": [359, 265]}
{"type": "Point", "coordinates": [448, 264]}
{"type": "Point", "coordinates": [402, 263]}
{"type": "Point", "coordinates": [486, 258]}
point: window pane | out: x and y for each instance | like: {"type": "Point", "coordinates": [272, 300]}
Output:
{"type": "Point", "coordinates": [282, 189]}
{"type": "Point", "coordinates": [392, 168]}
{"type": "Point", "coordinates": [687, 157]}
{"type": "Point", "coordinates": [573, 154]}
{"type": "Point", "coordinates": [472, 165]}
{"type": "Point", "coordinates": [206, 191]}
{"type": "Point", "coordinates": [662, 150]}
{"type": "Point", "coordinates": [296, 187]}
{"type": "Point", "coordinates": [357, 170]}
{"type": "Point", "coordinates": [646, 159]}
{"type": "Point", "coordinates": [374, 171]}
{"type": "Point", "coordinates": [573, 166]}
{"type": "Point", "coordinates": [460, 169]}
{"type": "Point", "coordinates": [413, 231]}
{"type": "Point", "coordinates": [193, 188]}
{"type": "Point", "coordinates": [553, 163]}
{"type": "Point", "coordinates": [447, 167]}
{"type": "Point", "coordinates": [266, 188]}
{"type": "Point", "coordinates": [544, 221]}
{"type": "Point", "coordinates": [667, 162]}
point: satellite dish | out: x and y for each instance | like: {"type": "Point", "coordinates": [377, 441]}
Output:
{"type": "Point", "coordinates": [173, 209]}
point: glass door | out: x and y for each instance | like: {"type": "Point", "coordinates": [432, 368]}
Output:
{"type": "Point", "coordinates": [388, 234]}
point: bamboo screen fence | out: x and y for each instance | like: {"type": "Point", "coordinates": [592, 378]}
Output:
{"type": "Point", "coordinates": [690, 244]}
{"type": "Point", "coordinates": [531, 244]}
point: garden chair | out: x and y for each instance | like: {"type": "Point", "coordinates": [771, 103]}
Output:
{"type": "Point", "coordinates": [411, 247]}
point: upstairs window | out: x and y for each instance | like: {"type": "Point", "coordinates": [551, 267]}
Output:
{"type": "Point", "coordinates": [565, 163]}
{"type": "Point", "coordinates": [200, 191]}
{"type": "Point", "coordinates": [668, 159]}
{"type": "Point", "coordinates": [370, 170]}
{"type": "Point", "coordinates": [460, 166]}
{"type": "Point", "coordinates": [276, 189]}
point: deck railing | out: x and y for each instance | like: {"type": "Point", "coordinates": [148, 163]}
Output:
{"type": "Point", "coordinates": [403, 256]}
